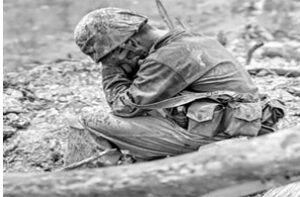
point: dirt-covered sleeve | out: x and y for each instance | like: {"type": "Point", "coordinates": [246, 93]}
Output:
{"type": "Point", "coordinates": [154, 82]}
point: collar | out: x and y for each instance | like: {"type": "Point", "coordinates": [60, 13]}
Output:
{"type": "Point", "coordinates": [167, 38]}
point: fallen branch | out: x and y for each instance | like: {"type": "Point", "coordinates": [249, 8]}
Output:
{"type": "Point", "coordinates": [88, 160]}
{"type": "Point", "coordinates": [277, 71]}
{"type": "Point", "coordinates": [251, 51]}
{"type": "Point", "coordinates": [262, 163]}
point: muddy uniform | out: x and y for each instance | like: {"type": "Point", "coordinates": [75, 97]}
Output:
{"type": "Point", "coordinates": [180, 63]}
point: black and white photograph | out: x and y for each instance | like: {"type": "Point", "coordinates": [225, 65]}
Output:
{"type": "Point", "coordinates": [156, 98]}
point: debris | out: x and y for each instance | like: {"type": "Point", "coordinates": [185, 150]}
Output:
{"type": "Point", "coordinates": [12, 105]}
{"type": "Point", "coordinates": [16, 121]}
{"type": "Point", "coordinates": [88, 160]}
{"type": "Point", "coordinates": [281, 49]}
{"type": "Point", "coordinates": [221, 37]}
{"type": "Point", "coordinates": [281, 18]}
{"type": "Point", "coordinates": [13, 93]}
{"type": "Point", "coordinates": [10, 148]}
{"type": "Point", "coordinates": [8, 132]}
{"type": "Point", "coordinates": [251, 51]}
{"type": "Point", "coordinates": [294, 91]}
{"type": "Point", "coordinates": [254, 31]}
{"type": "Point", "coordinates": [235, 169]}
{"type": "Point", "coordinates": [276, 71]}
{"type": "Point", "coordinates": [56, 156]}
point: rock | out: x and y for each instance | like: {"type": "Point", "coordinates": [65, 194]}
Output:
{"type": "Point", "coordinates": [8, 132]}
{"type": "Point", "coordinates": [11, 117]}
{"type": "Point", "coordinates": [294, 91]}
{"type": "Point", "coordinates": [13, 93]}
{"type": "Point", "coordinates": [22, 123]}
{"type": "Point", "coordinates": [16, 121]}
{"type": "Point", "coordinates": [253, 30]}
{"type": "Point", "coordinates": [56, 156]}
{"type": "Point", "coordinates": [222, 38]}
{"type": "Point", "coordinates": [16, 79]}
{"type": "Point", "coordinates": [262, 73]}
{"type": "Point", "coordinates": [64, 91]}
{"type": "Point", "coordinates": [11, 147]}
{"type": "Point", "coordinates": [62, 99]}
{"type": "Point", "coordinates": [7, 79]}
{"type": "Point", "coordinates": [280, 49]}
{"type": "Point", "coordinates": [36, 105]}
{"type": "Point", "coordinates": [11, 105]}
{"type": "Point", "coordinates": [43, 94]}
{"type": "Point", "coordinates": [274, 49]}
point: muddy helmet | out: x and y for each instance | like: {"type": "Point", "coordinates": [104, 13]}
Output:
{"type": "Point", "coordinates": [103, 30]}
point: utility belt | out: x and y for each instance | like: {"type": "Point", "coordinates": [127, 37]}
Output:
{"type": "Point", "coordinates": [228, 112]}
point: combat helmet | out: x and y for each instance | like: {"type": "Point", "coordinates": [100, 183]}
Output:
{"type": "Point", "coordinates": [106, 29]}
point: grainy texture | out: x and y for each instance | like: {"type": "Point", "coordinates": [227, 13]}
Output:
{"type": "Point", "coordinates": [87, 160]}
{"type": "Point", "coordinates": [277, 71]}
{"type": "Point", "coordinates": [264, 161]}
{"type": "Point", "coordinates": [291, 190]}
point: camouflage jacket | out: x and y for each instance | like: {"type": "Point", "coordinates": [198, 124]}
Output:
{"type": "Point", "coordinates": [178, 61]}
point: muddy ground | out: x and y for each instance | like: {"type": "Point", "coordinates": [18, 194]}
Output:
{"type": "Point", "coordinates": [46, 85]}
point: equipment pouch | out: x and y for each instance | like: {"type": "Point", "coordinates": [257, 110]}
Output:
{"type": "Point", "coordinates": [204, 118]}
{"type": "Point", "coordinates": [242, 119]}
{"type": "Point", "coordinates": [273, 110]}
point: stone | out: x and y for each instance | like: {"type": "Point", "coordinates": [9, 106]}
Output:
{"type": "Point", "coordinates": [16, 121]}
{"type": "Point", "coordinates": [274, 49]}
{"type": "Point", "coordinates": [286, 50]}
{"type": "Point", "coordinates": [8, 132]}
{"type": "Point", "coordinates": [14, 93]}
{"type": "Point", "coordinates": [43, 94]}
{"type": "Point", "coordinates": [11, 105]}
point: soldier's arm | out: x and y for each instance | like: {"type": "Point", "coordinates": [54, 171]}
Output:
{"type": "Point", "coordinates": [154, 82]}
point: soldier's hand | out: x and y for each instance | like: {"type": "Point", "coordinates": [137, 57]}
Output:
{"type": "Point", "coordinates": [130, 70]}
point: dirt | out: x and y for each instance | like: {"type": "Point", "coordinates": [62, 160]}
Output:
{"type": "Point", "coordinates": [39, 97]}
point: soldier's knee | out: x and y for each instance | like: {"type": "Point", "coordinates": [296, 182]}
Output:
{"type": "Point", "coordinates": [96, 118]}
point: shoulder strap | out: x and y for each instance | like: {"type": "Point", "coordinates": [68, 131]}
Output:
{"type": "Point", "coordinates": [182, 99]}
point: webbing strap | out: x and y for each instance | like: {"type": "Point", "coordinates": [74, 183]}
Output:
{"type": "Point", "coordinates": [183, 99]}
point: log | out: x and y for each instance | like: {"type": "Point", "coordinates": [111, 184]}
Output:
{"type": "Point", "coordinates": [291, 190]}
{"type": "Point", "coordinates": [234, 169]}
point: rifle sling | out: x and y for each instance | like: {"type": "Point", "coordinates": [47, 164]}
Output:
{"type": "Point", "coordinates": [183, 99]}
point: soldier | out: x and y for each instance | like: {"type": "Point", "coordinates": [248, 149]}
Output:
{"type": "Point", "coordinates": [170, 92]}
